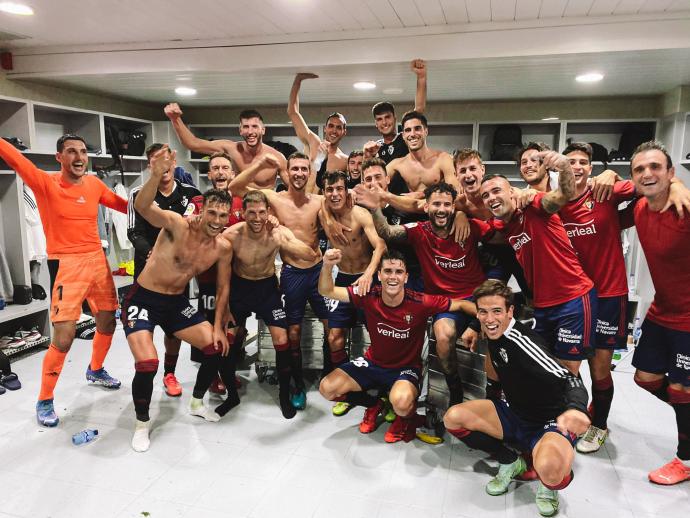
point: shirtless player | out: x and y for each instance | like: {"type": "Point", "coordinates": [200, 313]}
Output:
{"type": "Point", "coordinates": [299, 211]}
{"type": "Point", "coordinates": [182, 251]}
{"type": "Point", "coordinates": [254, 284]}
{"type": "Point", "coordinates": [243, 154]}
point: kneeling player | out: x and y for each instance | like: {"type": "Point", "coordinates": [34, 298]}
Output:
{"type": "Point", "coordinates": [396, 320]}
{"type": "Point", "coordinates": [546, 405]}
{"type": "Point", "coordinates": [183, 249]}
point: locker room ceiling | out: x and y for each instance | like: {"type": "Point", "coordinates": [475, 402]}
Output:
{"type": "Point", "coordinates": [238, 52]}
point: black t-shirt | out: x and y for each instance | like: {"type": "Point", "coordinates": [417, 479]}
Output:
{"type": "Point", "coordinates": [141, 233]}
{"type": "Point", "coordinates": [396, 149]}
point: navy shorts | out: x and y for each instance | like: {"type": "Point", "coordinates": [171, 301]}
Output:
{"type": "Point", "coordinates": [369, 375]}
{"type": "Point", "coordinates": [569, 328]}
{"type": "Point", "coordinates": [143, 310]}
{"type": "Point", "coordinates": [662, 350]}
{"type": "Point", "coordinates": [525, 434]}
{"type": "Point", "coordinates": [611, 332]}
{"type": "Point", "coordinates": [260, 296]}
{"type": "Point", "coordinates": [460, 318]}
{"type": "Point", "coordinates": [300, 285]}
{"type": "Point", "coordinates": [499, 262]}
{"type": "Point", "coordinates": [415, 282]}
{"type": "Point", "coordinates": [344, 314]}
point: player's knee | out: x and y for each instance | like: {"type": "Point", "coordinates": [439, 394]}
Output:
{"type": "Point", "coordinates": [107, 327]}
{"type": "Point", "coordinates": [294, 335]}
{"type": "Point", "coordinates": [403, 404]}
{"type": "Point", "coordinates": [457, 417]}
{"type": "Point", "coordinates": [327, 388]}
{"type": "Point", "coordinates": [551, 466]}
{"type": "Point", "coordinates": [63, 340]}
{"type": "Point", "coordinates": [336, 340]}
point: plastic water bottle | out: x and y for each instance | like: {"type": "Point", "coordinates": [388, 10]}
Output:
{"type": "Point", "coordinates": [637, 331]}
{"type": "Point", "coordinates": [84, 436]}
{"type": "Point", "coordinates": [631, 285]}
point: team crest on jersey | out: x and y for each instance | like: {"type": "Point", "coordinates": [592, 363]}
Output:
{"type": "Point", "coordinates": [238, 214]}
{"type": "Point", "coordinates": [503, 354]}
{"type": "Point", "coordinates": [391, 148]}
{"type": "Point", "coordinates": [184, 200]}
{"type": "Point", "coordinates": [521, 218]}
{"type": "Point", "coordinates": [589, 204]}
{"type": "Point", "coordinates": [408, 318]}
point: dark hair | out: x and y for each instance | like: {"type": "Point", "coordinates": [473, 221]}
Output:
{"type": "Point", "coordinates": [493, 287]}
{"type": "Point", "coordinates": [391, 254]}
{"type": "Point", "coordinates": [383, 107]}
{"type": "Point", "coordinates": [356, 152]}
{"type": "Point", "coordinates": [153, 149]}
{"type": "Point", "coordinates": [217, 196]}
{"type": "Point", "coordinates": [413, 114]}
{"type": "Point", "coordinates": [460, 155]}
{"type": "Point", "coordinates": [298, 155]}
{"type": "Point", "coordinates": [333, 177]}
{"type": "Point", "coordinates": [493, 176]}
{"type": "Point", "coordinates": [652, 145]}
{"type": "Point", "coordinates": [537, 146]}
{"type": "Point", "coordinates": [374, 162]}
{"type": "Point", "coordinates": [68, 136]}
{"type": "Point", "coordinates": [251, 114]}
{"type": "Point", "coordinates": [339, 116]}
{"type": "Point", "coordinates": [254, 197]}
{"type": "Point", "coordinates": [440, 187]}
{"type": "Point", "coordinates": [583, 147]}
{"type": "Point", "coordinates": [219, 154]}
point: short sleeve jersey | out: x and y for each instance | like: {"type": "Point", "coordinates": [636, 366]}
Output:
{"type": "Point", "coordinates": [595, 232]}
{"type": "Point", "coordinates": [546, 255]}
{"type": "Point", "coordinates": [448, 268]}
{"type": "Point", "coordinates": [396, 149]}
{"type": "Point", "coordinates": [397, 333]}
{"type": "Point", "coordinates": [69, 212]}
{"type": "Point", "coordinates": [665, 239]}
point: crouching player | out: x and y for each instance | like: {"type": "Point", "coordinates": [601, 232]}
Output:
{"type": "Point", "coordinates": [183, 249]}
{"type": "Point", "coordinates": [396, 319]}
{"type": "Point", "coordinates": [546, 405]}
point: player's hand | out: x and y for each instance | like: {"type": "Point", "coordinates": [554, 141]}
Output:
{"type": "Point", "coordinates": [679, 198]}
{"type": "Point", "coordinates": [602, 185]}
{"type": "Point", "coordinates": [573, 421]}
{"type": "Point", "coordinates": [220, 341]}
{"type": "Point", "coordinates": [461, 227]}
{"type": "Point", "coordinates": [523, 197]}
{"type": "Point", "coordinates": [368, 198]}
{"type": "Point", "coordinates": [161, 161]}
{"type": "Point", "coordinates": [418, 66]}
{"type": "Point", "coordinates": [301, 76]}
{"type": "Point", "coordinates": [470, 338]}
{"type": "Point", "coordinates": [194, 222]}
{"type": "Point", "coordinates": [172, 111]}
{"type": "Point", "coordinates": [370, 149]}
{"type": "Point", "coordinates": [363, 284]}
{"type": "Point", "coordinates": [323, 148]}
{"type": "Point", "coordinates": [332, 257]}
{"type": "Point", "coordinates": [553, 160]}
{"type": "Point", "coordinates": [272, 223]}
{"type": "Point", "coordinates": [270, 161]}
{"type": "Point", "coordinates": [334, 229]}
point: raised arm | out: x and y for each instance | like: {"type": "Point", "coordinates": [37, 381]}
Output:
{"type": "Point", "coordinates": [553, 201]}
{"type": "Point", "coordinates": [448, 170]}
{"type": "Point", "coordinates": [307, 136]}
{"type": "Point", "coordinates": [375, 196]}
{"type": "Point", "coordinates": [32, 175]}
{"type": "Point", "coordinates": [189, 140]}
{"type": "Point", "coordinates": [161, 161]}
{"type": "Point", "coordinates": [418, 66]}
{"type": "Point", "coordinates": [379, 245]}
{"type": "Point", "coordinates": [112, 200]}
{"type": "Point", "coordinates": [327, 287]}
{"type": "Point", "coordinates": [240, 185]}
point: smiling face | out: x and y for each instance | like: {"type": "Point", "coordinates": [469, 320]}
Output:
{"type": "Point", "coordinates": [336, 195]}
{"type": "Point", "coordinates": [214, 216]}
{"type": "Point", "coordinates": [334, 130]}
{"type": "Point", "coordinates": [386, 124]}
{"type": "Point", "coordinates": [494, 315]}
{"type": "Point", "coordinates": [252, 130]}
{"type": "Point", "coordinates": [531, 168]}
{"type": "Point", "coordinates": [415, 134]}
{"type": "Point", "coordinates": [581, 166]}
{"type": "Point", "coordinates": [393, 276]}
{"type": "Point", "coordinates": [220, 173]}
{"type": "Point", "coordinates": [375, 176]}
{"type": "Point", "coordinates": [469, 173]}
{"type": "Point", "coordinates": [497, 197]}
{"type": "Point", "coordinates": [651, 175]}
{"type": "Point", "coordinates": [354, 166]}
{"type": "Point", "coordinates": [441, 209]}
{"type": "Point", "coordinates": [298, 173]}
{"type": "Point", "coordinates": [73, 158]}
{"type": "Point", "coordinates": [256, 216]}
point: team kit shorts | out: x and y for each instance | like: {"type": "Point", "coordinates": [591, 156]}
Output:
{"type": "Point", "coordinates": [663, 350]}
{"type": "Point", "coordinates": [299, 286]}
{"type": "Point", "coordinates": [344, 314]}
{"type": "Point", "coordinates": [261, 296]}
{"type": "Point", "coordinates": [369, 375]}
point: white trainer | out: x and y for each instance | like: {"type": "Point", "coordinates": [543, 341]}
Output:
{"type": "Point", "coordinates": [197, 408]}
{"type": "Point", "coordinates": [140, 439]}
{"type": "Point", "coordinates": [592, 440]}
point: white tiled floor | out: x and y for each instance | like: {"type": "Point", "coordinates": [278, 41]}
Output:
{"type": "Point", "coordinates": [255, 463]}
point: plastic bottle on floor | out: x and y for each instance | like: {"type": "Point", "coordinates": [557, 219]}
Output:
{"type": "Point", "coordinates": [84, 436]}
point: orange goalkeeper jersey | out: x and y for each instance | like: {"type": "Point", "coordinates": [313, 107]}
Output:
{"type": "Point", "coordinates": [69, 212]}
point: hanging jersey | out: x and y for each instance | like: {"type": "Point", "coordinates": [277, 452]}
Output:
{"type": "Point", "coordinates": [546, 255]}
